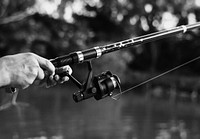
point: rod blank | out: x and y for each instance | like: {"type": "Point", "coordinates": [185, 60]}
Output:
{"type": "Point", "coordinates": [96, 52]}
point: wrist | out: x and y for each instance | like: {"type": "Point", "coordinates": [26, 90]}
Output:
{"type": "Point", "coordinates": [5, 77]}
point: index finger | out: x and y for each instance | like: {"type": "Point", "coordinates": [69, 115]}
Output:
{"type": "Point", "coordinates": [46, 64]}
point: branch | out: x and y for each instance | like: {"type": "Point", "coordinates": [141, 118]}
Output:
{"type": "Point", "coordinates": [16, 17]}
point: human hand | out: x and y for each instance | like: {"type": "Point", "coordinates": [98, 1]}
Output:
{"type": "Point", "coordinates": [22, 70]}
{"type": "Point", "coordinates": [59, 77]}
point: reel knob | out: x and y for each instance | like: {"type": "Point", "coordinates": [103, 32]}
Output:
{"type": "Point", "coordinates": [84, 94]}
{"type": "Point", "coordinates": [78, 96]}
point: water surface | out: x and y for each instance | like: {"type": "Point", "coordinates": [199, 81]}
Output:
{"type": "Point", "coordinates": [52, 114]}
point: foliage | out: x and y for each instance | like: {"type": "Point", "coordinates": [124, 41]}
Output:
{"type": "Point", "coordinates": [23, 27]}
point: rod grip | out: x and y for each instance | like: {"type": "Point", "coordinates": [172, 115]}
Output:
{"type": "Point", "coordinates": [62, 61]}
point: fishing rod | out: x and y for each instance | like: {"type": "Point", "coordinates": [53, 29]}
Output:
{"type": "Point", "coordinates": [103, 85]}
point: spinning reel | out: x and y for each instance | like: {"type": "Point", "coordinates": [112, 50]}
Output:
{"type": "Point", "coordinates": [99, 86]}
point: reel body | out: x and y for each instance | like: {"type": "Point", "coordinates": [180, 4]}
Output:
{"type": "Point", "coordinates": [99, 86]}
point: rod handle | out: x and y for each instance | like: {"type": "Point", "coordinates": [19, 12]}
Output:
{"type": "Point", "coordinates": [62, 61]}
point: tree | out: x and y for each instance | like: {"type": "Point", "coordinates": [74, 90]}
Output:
{"type": "Point", "coordinates": [24, 26]}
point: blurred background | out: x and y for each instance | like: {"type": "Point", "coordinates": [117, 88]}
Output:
{"type": "Point", "coordinates": [165, 108]}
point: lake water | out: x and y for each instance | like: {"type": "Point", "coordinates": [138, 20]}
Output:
{"type": "Point", "coordinates": [52, 114]}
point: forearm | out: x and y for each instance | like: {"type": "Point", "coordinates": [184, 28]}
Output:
{"type": "Point", "coordinates": [4, 76]}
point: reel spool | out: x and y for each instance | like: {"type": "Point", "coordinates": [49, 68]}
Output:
{"type": "Point", "coordinates": [105, 84]}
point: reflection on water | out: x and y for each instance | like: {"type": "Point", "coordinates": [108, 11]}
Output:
{"type": "Point", "coordinates": [52, 114]}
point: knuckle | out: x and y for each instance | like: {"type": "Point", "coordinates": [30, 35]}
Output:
{"type": "Point", "coordinates": [49, 65]}
{"type": "Point", "coordinates": [30, 54]}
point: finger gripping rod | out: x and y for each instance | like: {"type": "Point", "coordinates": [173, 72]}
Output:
{"type": "Point", "coordinates": [96, 52]}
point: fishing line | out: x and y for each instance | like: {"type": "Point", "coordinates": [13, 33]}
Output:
{"type": "Point", "coordinates": [155, 77]}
